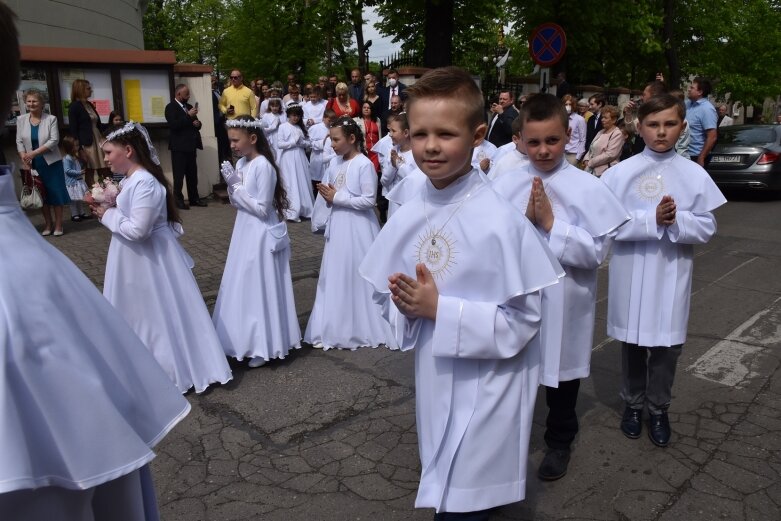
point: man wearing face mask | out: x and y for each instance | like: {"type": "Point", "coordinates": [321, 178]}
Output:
{"type": "Point", "coordinates": [576, 146]}
{"type": "Point", "coordinates": [394, 88]}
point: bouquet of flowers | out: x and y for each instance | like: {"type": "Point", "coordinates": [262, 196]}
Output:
{"type": "Point", "coordinates": [103, 193]}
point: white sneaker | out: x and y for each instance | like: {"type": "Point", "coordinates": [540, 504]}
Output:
{"type": "Point", "coordinates": [257, 361]}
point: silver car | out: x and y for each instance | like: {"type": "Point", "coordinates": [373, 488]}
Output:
{"type": "Point", "coordinates": [747, 156]}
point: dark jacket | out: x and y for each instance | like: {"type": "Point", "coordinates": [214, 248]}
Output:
{"type": "Point", "coordinates": [593, 126]}
{"type": "Point", "coordinates": [184, 137]}
{"type": "Point", "coordinates": [502, 132]}
{"type": "Point", "coordinates": [81, 124]}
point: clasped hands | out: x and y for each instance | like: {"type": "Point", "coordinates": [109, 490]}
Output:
{"type": "Point", "coordinates": [415, 298]}
{"type": "Point", "coordinates": [665, 211]}
{"type": "Point", "coordinates": [539, 210]}
{"type": "Point", "coordinates": [327, 191]}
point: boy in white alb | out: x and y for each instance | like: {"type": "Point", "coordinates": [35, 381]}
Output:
{"type": "Point", "coordinates": [671, 200]}
{"type": "Point", "coordinates": [510, 159]}
{"type": "Point", "coordinates": [318, 135]}
{"type": "Point", "coordinates": [475, 385]}
{"type": "Point", "coordinates": [314, 107]}
{"type": "Point", "coordinates": [562, 201]}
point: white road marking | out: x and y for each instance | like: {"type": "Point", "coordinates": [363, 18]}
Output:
{"type": "Point", "coordinates": [729, 361]}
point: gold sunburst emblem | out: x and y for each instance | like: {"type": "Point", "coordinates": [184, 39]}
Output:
{"type": "Point", "coordinates": [436, 250]}
{"type": "Point", "coordinates": [650, 186]}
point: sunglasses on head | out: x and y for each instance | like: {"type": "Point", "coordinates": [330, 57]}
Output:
{"type": "Point", "coordinates": [235, 77]}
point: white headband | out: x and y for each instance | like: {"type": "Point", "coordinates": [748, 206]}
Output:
{"type": "Point", "coordinates": [129, 127]}
{"type": "Point", "coordinates": [243, 123]}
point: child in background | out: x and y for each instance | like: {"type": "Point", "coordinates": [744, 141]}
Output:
{"type": "Point", "coordinates": [255, 314]}
{"type": "Point", "coordinates": [399, 162]}
{"type": "Point", "coordinates": [74, 178]}
{"type": "Point", "coordinates": [514, 160]}
{"type": "Point", "coordinates": [344, 315]}
{"type": "Point", "coordinates": [271, 121]}
{"type": "Point", "coordinates": [314, 107]}
{"type": "Point", "coordinates": [671, 200]}
{"type": "Point", "coordinates": [318, 134]}
{"type": "Point", "coordinates": [475, 386]}
{"type": "Point", "coordinates": [560, 201]}
{"type": "Point", "coordinates": [149, 277]}
{"type": "Point", "coordinates": [292, 142]}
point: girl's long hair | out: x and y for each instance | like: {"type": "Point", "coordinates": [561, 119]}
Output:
{"type": "Point", "coordinates": [137, 142]}
{"type": "Point", "coordinates": [281, 202]}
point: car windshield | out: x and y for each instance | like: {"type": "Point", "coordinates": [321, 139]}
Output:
{"type": "Point", "coordinates": [747, 135]}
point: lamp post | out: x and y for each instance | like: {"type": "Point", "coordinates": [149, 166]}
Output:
{"type": "Point", "coordinates": [366, 47]}
{"type": "Point", "coordinates": [498, 57]}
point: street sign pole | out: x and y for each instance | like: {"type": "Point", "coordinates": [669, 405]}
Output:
{"type": "Point", "coordinates": [547, 45]}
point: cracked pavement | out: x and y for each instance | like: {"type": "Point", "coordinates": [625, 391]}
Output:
{"type": "Point", "coordinates": [331, 435]}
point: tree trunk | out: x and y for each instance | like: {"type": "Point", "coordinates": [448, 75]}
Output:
{"type": "Point", "coordinates": [439, 33]}
{"type": "Point", "coordinates": [357, 17]}
{"type": "Point", "coordinates": [670, 53]}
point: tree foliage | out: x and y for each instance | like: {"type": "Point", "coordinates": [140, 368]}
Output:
{"type": "Point", "coordinates": [609, 42]}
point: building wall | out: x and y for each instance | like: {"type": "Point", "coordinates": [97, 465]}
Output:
{"type": "Point", "coordinates": [96, 24]}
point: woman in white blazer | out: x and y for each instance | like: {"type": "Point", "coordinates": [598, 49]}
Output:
{"type": "Point", "coordinates": [37, 141]}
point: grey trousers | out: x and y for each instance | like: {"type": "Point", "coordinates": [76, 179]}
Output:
{"type": "Point", "coordinates": [648, 375]}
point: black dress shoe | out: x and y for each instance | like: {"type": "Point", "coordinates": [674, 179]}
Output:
{"type": "Point", "coordinates": [631, 423]}
{"type": "Point", "coordinates": [199, 202]}
{"type": "Point", "coordinates": [183, 206]}
{"type": "Point", "coordinates": [554, 465]}
{"type": "Point", "coordinates": [659, 429]}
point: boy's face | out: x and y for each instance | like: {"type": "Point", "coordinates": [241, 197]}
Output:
{"type": "Point", "coordinates": [545, 141]}
{"type": "Point", "coordinates": [442, 139]}
{"type": "Point", "coordinates": [661, 130]}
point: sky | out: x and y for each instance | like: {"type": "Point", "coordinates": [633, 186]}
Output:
{"type": "Point", "coordinates": [381, 45]}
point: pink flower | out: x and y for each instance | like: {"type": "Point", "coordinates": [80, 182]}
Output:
{"type": "Point", "coordinates": [103, 193]}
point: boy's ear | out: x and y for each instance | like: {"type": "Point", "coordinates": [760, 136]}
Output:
{"type": "Point", "coordinates": [479, 135]}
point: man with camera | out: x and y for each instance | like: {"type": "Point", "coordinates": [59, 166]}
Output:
{"type": "Point", "coordinates": [237, 99]}
{"type": "Point", "coordinates": [500, 127]}
{"type": "Point", "coordinates": [183, 141]}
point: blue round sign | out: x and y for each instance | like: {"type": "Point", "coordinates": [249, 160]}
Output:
{"type": "Point", "coordinates": [547, 44]}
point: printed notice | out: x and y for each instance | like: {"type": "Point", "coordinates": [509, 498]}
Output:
{"type": "Point", "coordinates": [103, 106]}
{"type": "Point", "coordinates": [135, 107]}
{"type": "Point", "coordinates": [158, 106]}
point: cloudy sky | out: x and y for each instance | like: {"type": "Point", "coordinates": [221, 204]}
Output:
{"type": "Point", "coordinates": [381, 46]}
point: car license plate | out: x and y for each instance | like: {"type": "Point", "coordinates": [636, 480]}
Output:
{"type": "Point", "coordinates": [725, 159]}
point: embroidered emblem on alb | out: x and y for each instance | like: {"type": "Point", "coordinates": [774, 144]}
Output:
{"type": "Point", "coordinates": [436, 250]}
{"type": "Point", "coordinates": [339, 181]}
{"type": "Point", "coordinates": [650, 186]}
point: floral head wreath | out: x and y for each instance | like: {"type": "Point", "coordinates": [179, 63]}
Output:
{"type": "Point", "coordinates": [243, 123]}
{"type": "Point", "coordinates": [129, 127]}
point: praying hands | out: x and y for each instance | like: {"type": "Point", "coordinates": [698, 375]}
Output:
{"type": "Point", "coordinates": [539, 210]}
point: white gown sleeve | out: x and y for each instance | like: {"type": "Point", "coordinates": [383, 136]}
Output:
{"type": "Point", "coordinates": [641, 227]}
{"type": "Point", "coordinates": [405, 330]}
{"type": "Point", "coordinates": [144, 209]}
{"type": "Point", "coordinates": [692, 228]}
{"type": "Point", "coordinates": [574, 246]}
{"type": "Point", "coordinates": [270, 123]}
{"type": "Point", "coordinates": [368, 191]}
{"type": "Point", "coordinates": [287, 137]}
{"type": "Point", "coordinates": [389, 171]}
{"type": "Point", "coordinates": [461, 328]}
{"type": "Point", "coordinates": [262, 180]}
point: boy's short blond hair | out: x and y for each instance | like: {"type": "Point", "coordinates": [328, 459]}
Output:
{"type": "Point", "coordinates": [450, 83]}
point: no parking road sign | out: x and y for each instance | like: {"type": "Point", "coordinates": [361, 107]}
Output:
{"type": "Point", "coordinates": [547, 44]}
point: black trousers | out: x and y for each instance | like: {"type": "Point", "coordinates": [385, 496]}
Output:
{"type": "Point", "coordinates": [562, 422]}
{"type": "Point", "coordinates": [480, 515]}
{"type": "Point", "coordinates": [185, 167]}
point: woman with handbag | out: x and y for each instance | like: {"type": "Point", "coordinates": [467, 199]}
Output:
{"type": "Point", "coordinates": [605, 150]}
{"type": "Point", "coordinates": [37, 141]}
{"type": "Point", "coordinates": [85, 126]}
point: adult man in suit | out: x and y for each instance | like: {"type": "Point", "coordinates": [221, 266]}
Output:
{"type": "Point", "coordinates": [355, 89]}
{"type": "Point", "coordinates": [223, 145]}
{"type": "Point", "coordinates": [184, 140]}
{"type": "Point", "coordinates": [394, 88]}
{"type": "Point", "coordinates": [504, 113]}
{"type": "Point", "coordinates": [594, 123]}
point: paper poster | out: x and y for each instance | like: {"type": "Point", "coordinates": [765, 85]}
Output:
{"type": "Point", "coordinates": [135, 108]}
{"type": "Point", "coordinates": [69, 75]}
{"type": "Point", "coordinates": [158, 106]}
{"type": "Point", "coordinates": [103, 106]}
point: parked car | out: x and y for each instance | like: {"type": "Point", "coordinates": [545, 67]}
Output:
{"type": "Point", "coordinates": [747, 156]}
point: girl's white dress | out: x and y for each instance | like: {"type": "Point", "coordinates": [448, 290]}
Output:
{"type": "Point", "coordinates": [255, 315]}
{"type": "Point", "coordinates": [294, 168]}
{"type": "Point", "coordinates": [270, 123]}
{"type": "Point", "coordinates": [149, 280]}
{"type": "Point", "coordinates": [318, 134]}
{"type": "Point", "coordinates": [82, 402]}
{"type": "Point", "coordinates": [344, 314]}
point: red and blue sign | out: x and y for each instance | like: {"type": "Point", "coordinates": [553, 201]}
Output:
{"type": "Point", "coordinates": [547, 44]}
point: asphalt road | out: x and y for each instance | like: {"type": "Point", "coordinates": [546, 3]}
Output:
{"type": "Point", "coordinates": [331, 435]}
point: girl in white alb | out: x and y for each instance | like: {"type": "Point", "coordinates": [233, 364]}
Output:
{"type": "Point", "coordinates": [292, 142]}
{"type": "Point", "coordinates": [398, 163]}
{"type": "Point", "coordinates": [255, 314]}
{"type": "Point", "coordinates": [271, 121]}
{"type": "Point", "coordinates": [344, 315]}
{"type": "Point", "coordinates": [149, 276]}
